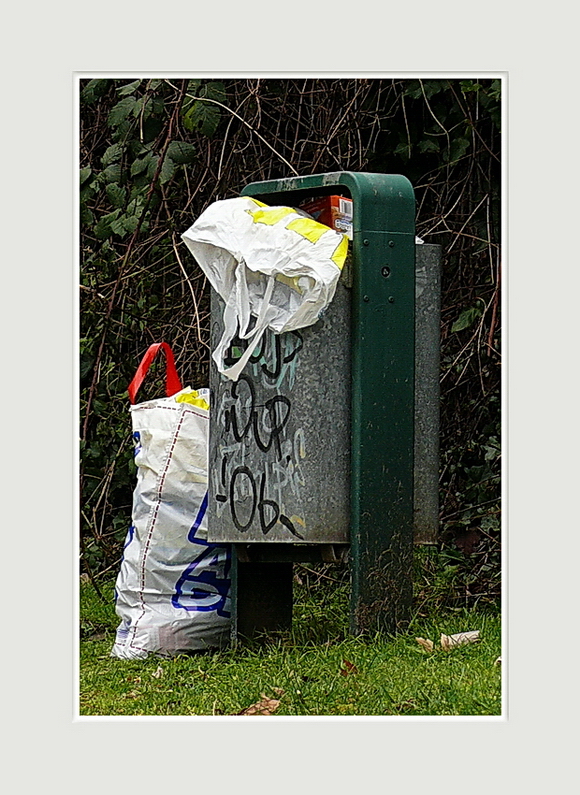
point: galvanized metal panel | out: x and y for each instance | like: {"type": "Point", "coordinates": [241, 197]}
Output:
{"type": "Point", "coordinates": [280, 436]}
{"type": "Point", "coordinates": [427, 355]}
{"type": "Point", "coordinates": [332, 345]}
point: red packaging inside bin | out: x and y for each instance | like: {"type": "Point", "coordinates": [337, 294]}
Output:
{"type": "Point", "coordinates": [333, 211]}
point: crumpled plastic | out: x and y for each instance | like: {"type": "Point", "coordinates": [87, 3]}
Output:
{"type": "Point", "coordinates": [274, 267]}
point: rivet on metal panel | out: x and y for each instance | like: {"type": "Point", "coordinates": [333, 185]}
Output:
{"type": "Point", "coordinates": [366, 299]}
{"type": "Point", "coordinates": [386, 271]}
{"type": "Point", "coordinates": [391, 243]}
{"type": "Point", "coordinates": [365, 242]}
{"type": "Point", "coordinates": [391, 299]}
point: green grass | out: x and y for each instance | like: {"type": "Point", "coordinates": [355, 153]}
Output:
{"type": "Point", "coordinates": [391, 676]}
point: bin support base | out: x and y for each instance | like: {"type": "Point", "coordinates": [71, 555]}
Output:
{"type": "Point", "coordinates": [261, 598]}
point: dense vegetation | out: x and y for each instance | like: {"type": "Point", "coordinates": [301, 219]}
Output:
{"type": "Point", "coordinates": [154, 153]}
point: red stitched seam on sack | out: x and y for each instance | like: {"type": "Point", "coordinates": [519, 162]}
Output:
{"type": "Point", "coordinates": [152, 526]}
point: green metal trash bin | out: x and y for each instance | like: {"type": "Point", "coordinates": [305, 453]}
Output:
{"type": "Point", "coordinates": [311, 450]}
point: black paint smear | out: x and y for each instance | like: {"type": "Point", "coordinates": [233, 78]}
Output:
{"type": "Point", "coordinates": [275, 428]}
{"type": "Point", "coordinates": [273, 374]}
{"type": "Point", "coordinates": [266, 526]}
{"type": "Point", "coordinates": [230, 415]}
{"type": "Point", "coordinates": [292, 355]}
{"type": "Point", "coordinates": [278, 360]}
{"type": "Point", "coordinates": [288, 524]}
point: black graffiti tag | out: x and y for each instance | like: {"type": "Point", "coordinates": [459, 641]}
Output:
{"type": "Point", "coordinates": [279, 360]}
{"type": "Point", "coordinates": [247, 422]}
{"type": "Point", "coordinates": [262, 505]}
{"type": "Point", "coordinates": [277, 411]}
{"type": "Point", "coordinates": [271, 369]}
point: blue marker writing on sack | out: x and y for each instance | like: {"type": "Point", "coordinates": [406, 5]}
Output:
{"type": "Point", "coordinates": [204, 585]}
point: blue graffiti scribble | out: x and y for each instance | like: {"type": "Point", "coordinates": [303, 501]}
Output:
{"type": "Point", "coordinates": [137, 443]}
{"type": "Point", "coordinates": [205, 584]}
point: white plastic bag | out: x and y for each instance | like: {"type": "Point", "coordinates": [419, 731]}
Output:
{"type": "Point", "coordinates": [172, 591]}
{"type": "Point", "coordinates": [273, 266]}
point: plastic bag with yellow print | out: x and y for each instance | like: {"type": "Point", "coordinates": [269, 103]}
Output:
{"type": "Point", "coordinates": [274, 267]}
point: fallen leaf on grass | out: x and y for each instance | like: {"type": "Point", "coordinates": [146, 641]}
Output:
{"type": "Point", "coordinates": [450, 641]}
{"type": "Point", "coordinates": [349, 668]}
{"type": "Point", "coordinates": [498, 661]}
{"type": "Point", "coordinates": [425, 643]}
{"type": "Point", "coordinates": [267, 706]}
{"type": "Point", "coordinates": [158, 673]}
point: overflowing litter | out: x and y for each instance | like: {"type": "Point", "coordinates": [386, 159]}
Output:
{"type": "Point", "coordinates": [274, 267]}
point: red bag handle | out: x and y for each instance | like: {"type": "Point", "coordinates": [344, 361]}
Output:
{"type": "Point", "coordinates": [172, 382]}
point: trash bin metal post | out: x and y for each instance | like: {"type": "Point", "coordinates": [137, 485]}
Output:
{"type": "Point", "coordinates": [382, 362]}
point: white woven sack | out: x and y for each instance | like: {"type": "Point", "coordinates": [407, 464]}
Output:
{"type": "Point", "coordinates": [172, 591]}
{"type": "Point", "coordinates": [274, 267]}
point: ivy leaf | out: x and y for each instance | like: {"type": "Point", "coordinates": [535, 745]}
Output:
{"type": "Point", "coordinates": [118, 227]}
{"type": "Point", "coordinates": [469, 85]}
{"type": "Point", "coordinates": [152, 161]}
{"type": "Point", "coordinates": [87, 217]}
{"type": "Point", "coordinates": [94, 90]}
{"type": "Point", "coordinates": [495, 89]}
{"type": "Point", "coordinates": [141, 105]}
{"type": "Point", "coordinates": [128, 88]}
{"type": "Point", "coordinates": [466, 319]}
{"type": "Point", "coordinates": [157, 105]}
{"type": "Point", "coordinates": [214, 90]}
{"type": "Point", "coordinates": [167, 170]}
{"type": "Point", "coordinates": [402, 149]}
{"type": "Point", "coordinates": [202, 117]}
{"type": "Point", "coordinates": [85, 174]}
{"type": "Point", "coordinates": [428, 145]}
{"type": "Point", "coordinates": [190, 94]}
{"type": "Point", "coordinates": [181, 152]}
{"type": "Point", "coordinates": [122, 131]}
{"type": "Point", "coordinates": [432, 87]}
{"type": "Point", "coordinates": [413, 90]}
{"type": "Point", "coordinates": [103, 228]}
{"type": "Point", "coordinates": [116, 194]}
{"type": "Point", "coordinates": [110, 174]}
{"type": "Point", "coordinates": [135, 205]}
{"type": "Point", "coordinates": [458, 148]}
{"type": "Point", "coordinates": [121, 111]}
{"type": "Point", "coordinates": [112, 155]}
{"type": "Point", "coordinates": [130, 222]}
{"type": "Point", "coordinates": [143, 164]}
